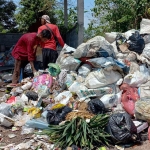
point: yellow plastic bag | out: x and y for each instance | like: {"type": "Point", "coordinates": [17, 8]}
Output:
{"type": "Point", "coordinates": [34, 112]}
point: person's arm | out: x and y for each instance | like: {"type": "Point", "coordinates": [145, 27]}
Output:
{"type": "Point", "coordinates": [31, 53]}
{"type": "Point", "coordinates": [60, 40]}
{"type": "Point", "coordinates": [32, 67]}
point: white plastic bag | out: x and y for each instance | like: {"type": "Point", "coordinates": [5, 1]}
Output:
{"type": "Point", "coordinates": [101, 78]}
{"type": "Point", "coordinates": [144, 26]}
{"type": "Point", "coordinates": [111, 100]}
{"type": "Point", "coordinates": [110, 37]}
{"type": "Point", "coordinates": [129, 33]}
{"type": "Point", "coordinates": [63, 98]}
{"type": "Point", "coordinates": [90, 48]}
{"type": "Point", "coordinates": [84, 70]}
{"type": "Point", "coordinates": [76, 86]}
{"type": "Point", "coordinates": [146, 51]}
{"type": "Point", "coordinates": [135, 79]}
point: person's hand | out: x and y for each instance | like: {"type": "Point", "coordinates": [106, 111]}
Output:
{"type": "Point", "coordinates": [36, 73]}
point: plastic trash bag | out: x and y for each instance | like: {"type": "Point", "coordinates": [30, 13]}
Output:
{"type": "Point", "coordinates": [53, 69]}
{"type": "Point", "coordinates": [144, 26]}
{"type": "Point", "coordinates": [142, 108]}
{"type": "Point", "coordinates": [111, 100]}
{"type": "Point", "coordinates": [129, 33]}
{"type": "Point", "coordinates": [44, 79]}
{"type": "Point", "coordinates": [32, 95]}
{"type": "Point", "coordinates": [98, 92]}
{"type": "Point", "coordinates": [136, 43]}
{"type": "Point", "coordinates": [144, 90]}
{"type": "Point", "coordinates": [110, 37]}
{"type": "Point", "coordinates": [90, 48]}
{"type": "Point", "coordinates": [135, 79]}
{"type": "Point", "coordinates": [121, 128]}
{"type": "Point", "coordinates": [146, 51]}
{"type": "Point", "coordinates": [84, 70]}
{"type": "Point", "coordinates": [146, 39]}
{"type": "Point", "coordinates": [128, 98]}
{"type": "Point", "coordinates": [103, 53]}
{"type": "Point", "coordinates": [28, 70]}
{"type": "Point", "coordinates": [101, 78]}
{"type": "Point", "coordinates": [57, 115]}
{"type": "Point", "coordinates": [96, 106]}
{"type": "Point", "coordinates": [76, 86]}
{"type": "Point", "coordinates": [63, 98]}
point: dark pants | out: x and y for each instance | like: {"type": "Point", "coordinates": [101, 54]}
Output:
{"type": "Point", "coordinates": [16, 74]}
{"type": "Point", "coordinates": [49, 56]}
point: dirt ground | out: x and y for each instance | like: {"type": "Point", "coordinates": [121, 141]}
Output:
{"type": "Point", "coordinates": [5, 140]}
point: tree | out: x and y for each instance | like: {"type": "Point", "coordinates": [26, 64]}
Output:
{"type": "Point", "coordinates": [7, 21]}
{"type": "Point", "coordinates": [30, 11]}
{"type": "Point", "coordinates": [118, 15]}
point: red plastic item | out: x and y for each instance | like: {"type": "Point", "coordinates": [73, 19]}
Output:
{"type": "Point", "coordinates": [84, 60]}
{"type": "Point", "coordinates": [11, 100]}
{"type": "Point", "coordinates": [128, 98]}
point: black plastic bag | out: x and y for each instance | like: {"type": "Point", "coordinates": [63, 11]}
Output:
{"type": "Point", "coordinates": [136, 43]}
{"type": "Point", "coordinates": [96, 106]}
{"type": "Point", "coordinates": [57, 115]}
{"type": "Point", "coordinates": [32, 95]}
{"type": "Point", "coordinates": [121, 128]}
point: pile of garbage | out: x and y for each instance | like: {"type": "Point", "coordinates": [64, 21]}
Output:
{"type": "Point", "coordinates": [98, 93]}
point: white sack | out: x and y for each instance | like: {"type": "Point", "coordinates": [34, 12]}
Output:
{"type": "Point", "coordinates": [145, 26]}
{"type": "Point", "coordinates": [110, 37]}
{"type": "Point", "coordinates": [111, 100]}
{"type": "Point", "coordinates": [84, 70]}
{"type": "Point", "coordinates": [89, 48]}
{"type": "Point", "coordinates": [101, 78]}
{"type": "Point", "coordinates": [135, 79]}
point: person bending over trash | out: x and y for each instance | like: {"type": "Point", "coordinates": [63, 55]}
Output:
{"type": "Point", "coordinates": [25, 51]}
{"type": "Point", "coordinates": [49, 51]}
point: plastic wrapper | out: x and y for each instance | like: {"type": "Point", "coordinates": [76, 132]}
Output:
{"type": "Point", "coordinates": [5, 109]}
{"type": "Point", "coordinates": [63, 97]}
{"type": "Point", "coordinates": [69, 80]}
{"type": "Point", "coordinates": [54, 69]}
{"type": "Point", "coordinates": [44, 79]}
{"type": "Point", "coordinates": [34, 112]}
{"type": "Point", "coordinates": [26, 130]}
{"type": "Point", "coordinates": [99, 92]}
{"type": "Point", "coordinates": [38, 123]}
{"type": "Point", "coordinates": [27, 86]}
